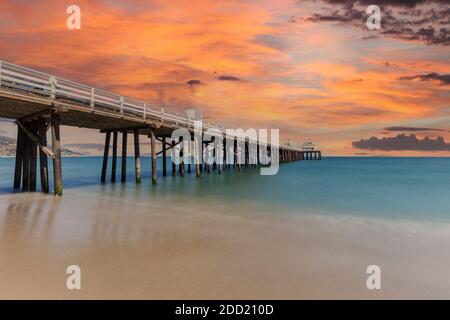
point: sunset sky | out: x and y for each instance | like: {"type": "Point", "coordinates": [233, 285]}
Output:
{"type": "Point", "coordinates": [310, 68]}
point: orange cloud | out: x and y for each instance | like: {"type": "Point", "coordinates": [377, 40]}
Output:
{"type": "Point", "coordinates": [310, 81]}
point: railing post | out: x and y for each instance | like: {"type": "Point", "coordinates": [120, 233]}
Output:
{"type": "Point", "coordinates": [177, 118]}
{"type": "Point", "coordinates": [122, 100]}
{"type": "Point", "coordinates": [162, 114]}
{"type": "Point", "coordinates": [52, 81]}
{"type": "Point", "coordinates": [92, 98]}
{"type": "Point", "coordinates": [1, 73]}
{"type": "Point", "coordinates": [145, 110]}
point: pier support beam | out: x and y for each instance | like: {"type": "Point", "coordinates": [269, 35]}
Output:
{"type": "Point", "coordinates": [114, 157]}
{"type": "Point", "coordinates": [198, 156]}
{"type": "Point", "coordinates": [43, 160]}
{"type": "Point", "coordinates": [105, 156]}
{"type": "Point", "coordinates": [246, 154]}
{"type": "Point", "coordinates": [190, 157]}
{"type": "Point", "coordinates": [207, 158]}
{"type": "Point", "coordinates": [33, 158]}
{"type": "Point", "coordinates": [182, 168]}
{"type": "Point", "coordinates": [26, 161]}
{"type": "Point", "coordinates": [257, 154]}
{"type": "Point", "coordinates": [164, 156]}
{"type": "Point", "coordinates": [123, 177]}
{"type": "Point", "coordinates": [153, 147]}
{"type": "Point", "coordinates": [219, 158]}
{"type": "Point", "coordinates": [224, 151]}
{"type": "Point", "coordinates": [234, 153]}
{"type": "Point", "coordinates": [239, 156]}
{"type": "Point", "coordinates": [174, 168]}
{"type": "Point", "coordinates": [137, 156]}
{"type": "Point", "coordinates": [197, 170]}
{"type": "Point", "coordinates": [56, 146]}
{"type": "Point", "coordinates": [19, 158]}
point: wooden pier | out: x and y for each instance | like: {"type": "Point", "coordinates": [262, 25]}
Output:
{"type": "Point", "coordinates": [39, 102]}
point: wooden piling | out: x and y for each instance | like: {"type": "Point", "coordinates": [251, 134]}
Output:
{"type": "Point", "coordinates": [164, 156]}
{"type": "Point", "coordinates": [207, 159]}
{"type": "Point", "coordinates": [114, 157]}
{"type": "Point", "coordinates": [234, 153]}
{"type": "Point", "coordinates": [239, 156]}
{"type": "Point", "coordinates": [224, 165]}
{"type": "Point", "coordinates": [26, 161]}
{"type": "Point", "coordinates": [197, 170]}
{"type": "Point", "coordinates": [174, 167]}
{"type": "Point", "coordinates": [33, 158]}
{"type": "Point", "coordinates": [153, 146]}
{"type": "Point", "coordinates": [213, 154]}
{"type": "Point", "coordinates": [182, 160]}
{"type": "Point", "coordinates": [56, 146]}
{"type": "Point", "coordinates": [137, 156]}
{"type": "Point", "coordinates": [190, 158]}
{"type": "Point", "coordinates": [43, 161]}
{"type": "Point", "coordinates": [19, 158]}
{"type": "Point", "coordinates": [201, 156]}
{"type": "Point", "coordinates": [219, 158]}
{"type": "Point", "coordinates": [197, 157]}
{"type": "Point", "coordinates": [123, 177]}
{"type": "Point", "coordinates": [105, 156]}
{"type": "Point", "coordinates": [257, 155]}
{"type": "Point", "coordinates": [246, 154]}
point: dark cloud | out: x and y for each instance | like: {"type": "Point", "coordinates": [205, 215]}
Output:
{"type": "Point", "coordinates": [425, 21]}
{"type": "Point", "coordinates": [402, 142]}
{"type": "Point", "coordinates": [194, 82]}
{"type": "Point", "coordinates": [393, 3]}
{"type": "Point", "coordinates": [410, 129]}
{"type": "Point", "coordinates": [228, 78]}
{"type": "Point", "coordinates": [444, 79]}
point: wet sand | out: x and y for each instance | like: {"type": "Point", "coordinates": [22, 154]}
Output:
{"type": "Point", "coordinates": [134, 248]}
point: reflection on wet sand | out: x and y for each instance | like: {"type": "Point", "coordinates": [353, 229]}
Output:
{"type": "Point", "coordinates": [28, 216]}
{"type": "Point", "coordinates": [144, 245]}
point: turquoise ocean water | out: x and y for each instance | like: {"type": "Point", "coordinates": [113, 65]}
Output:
{"type": "Point", "coordinates": [411, 188]}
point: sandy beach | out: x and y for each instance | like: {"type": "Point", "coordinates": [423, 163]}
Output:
{"type": "Point", "coordinates": [134, 248]}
